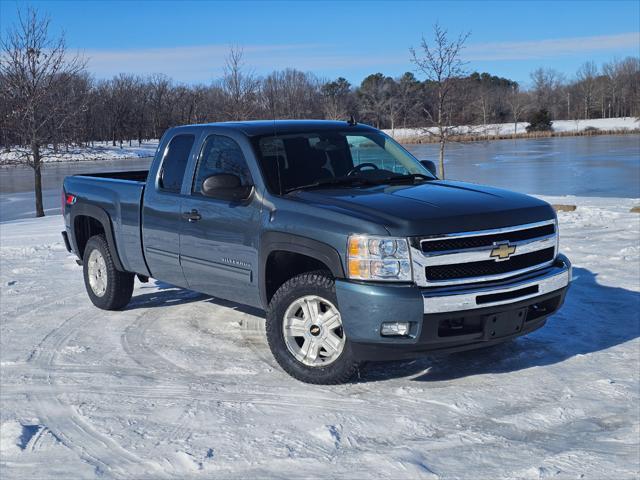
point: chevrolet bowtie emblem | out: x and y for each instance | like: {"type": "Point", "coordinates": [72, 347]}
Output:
{"type": "Point", "coordinates": [503, 251]}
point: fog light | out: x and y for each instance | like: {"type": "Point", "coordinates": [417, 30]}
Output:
{"type": "Point", "coordinates": [399, 329]}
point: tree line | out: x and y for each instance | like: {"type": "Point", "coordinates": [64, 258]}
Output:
{"type": "Point", "coordinates": [129, 108]}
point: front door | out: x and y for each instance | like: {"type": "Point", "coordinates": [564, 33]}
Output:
{"type": "Point", "coordinates": [219, 238]}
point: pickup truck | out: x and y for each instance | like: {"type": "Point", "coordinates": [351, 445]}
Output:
{"type": "Point", "coordinates": [353, 247]}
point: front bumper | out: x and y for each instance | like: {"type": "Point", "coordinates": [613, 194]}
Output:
{"type": "Point", "coordinates": [451, 300]}
{"type": "Point", "coordinates": [449, 318]}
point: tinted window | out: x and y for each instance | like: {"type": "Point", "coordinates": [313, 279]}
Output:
{"type": "Point", "coordinates": [220, 155]}
{"type": "Point", "coordinates": [294, 160]}
{"type": "Point", "coordinates": [174, 163]}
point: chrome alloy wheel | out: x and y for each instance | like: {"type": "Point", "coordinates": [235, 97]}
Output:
{"type": "Point", "coordinates": [97, 273]}
{"type": "Point", "coordinates": [313, 332]}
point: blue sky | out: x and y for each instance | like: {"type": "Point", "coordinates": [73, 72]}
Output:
{"type": "Point", "coordinates": [189, 40]}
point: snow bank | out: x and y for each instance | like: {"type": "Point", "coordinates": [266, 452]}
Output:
{"type": "Point", "coordinates": [495, 129]}
{"type": "Point", "coordinates": [182, 385]}
{"type": "Point", "coordinates": [100, 151]}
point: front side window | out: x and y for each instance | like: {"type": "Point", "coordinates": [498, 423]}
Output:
{"type": "Point", "coordinates": [220, 155]}
{"type": "Point", "coordinates": [297, 160]}
{"type": "Point", "coordinates": [174, 163]}
{"type": "Point", "coordinates": [365, 150]}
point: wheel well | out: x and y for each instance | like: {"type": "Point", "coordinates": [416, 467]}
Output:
{"type": "Point", "coordinates": [283, 265]}
{"type": "Point", "coordinates": [84, 228]}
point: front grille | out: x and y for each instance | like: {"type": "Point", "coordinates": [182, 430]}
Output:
{"type": "Point", "coordinates": [471, 257]}
{"type": "Point", "coordinates": [489, 267]}
{"type": "Point", "coordinates": [459, 243]}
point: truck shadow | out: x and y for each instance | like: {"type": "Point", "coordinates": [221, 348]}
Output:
{"type": "Point", "coordinates": [594, 317]}
{"type": "Point", "coordinates": [165, 294]}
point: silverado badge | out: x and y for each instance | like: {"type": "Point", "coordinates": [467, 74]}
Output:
{"type": "Point", "coordinates": [503, 251]}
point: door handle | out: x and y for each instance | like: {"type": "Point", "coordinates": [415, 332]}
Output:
{"type": "Point", "coordinates": [192, 216]}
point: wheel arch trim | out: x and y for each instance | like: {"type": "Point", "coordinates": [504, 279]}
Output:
{"type": "Point", "coordinates": [288, 242]}
{"type": "Point", "coordinates": [97, 213]}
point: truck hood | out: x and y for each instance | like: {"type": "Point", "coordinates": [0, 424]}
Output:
{"type": "Point", "coordinates": [432, 208]}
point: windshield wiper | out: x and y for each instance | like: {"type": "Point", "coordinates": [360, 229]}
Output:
{"type": "Point", "coordinates": [360, 181]}
{"type": "Point", "coordinates": [330, 182]}
{"type": "Point", "coordinates": [408, 177]}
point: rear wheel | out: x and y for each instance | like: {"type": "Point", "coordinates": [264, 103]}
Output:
{"type": "Point", "coordinates": [305, 331]}
{"type": "Point", "coordinates": [107, 287]}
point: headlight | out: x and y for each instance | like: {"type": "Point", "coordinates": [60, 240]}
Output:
{"type": "Point", "coordinates": [379, 258]}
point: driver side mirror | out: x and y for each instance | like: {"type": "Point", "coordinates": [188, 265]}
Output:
{"type": "Point", "coordinates": [225, 186]}
{"type": "Point", "coordinates": [431, 166]}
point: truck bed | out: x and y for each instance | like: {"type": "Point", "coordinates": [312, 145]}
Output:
{"type": "Point", "coordinates": [119, 195]}
{"type": "Point", "coordinates": [132, 175]}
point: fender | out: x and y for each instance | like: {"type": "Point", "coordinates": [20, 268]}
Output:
{"type": "Point", "coordinates": [288, 242]}
{"type": "Point", "coordinates": [87, 210]}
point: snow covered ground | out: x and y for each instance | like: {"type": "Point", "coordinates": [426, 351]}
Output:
{"type": "Point", "coordinates": [181, 385]}
{"type": "Point", "coordinates": [495, 129]}
{"type": "Point", "coordinates": [100, 151]}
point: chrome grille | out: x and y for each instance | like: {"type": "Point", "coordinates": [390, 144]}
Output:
{"type": "Point", "coordinates": [487, 255]}
{"type": "Point", "coordinates": [457, 243]}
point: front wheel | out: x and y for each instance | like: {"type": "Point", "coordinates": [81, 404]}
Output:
{"type": "Point", "coordinates": [107, 287]}
{"type": "Point", "coordinates": [305, 331]}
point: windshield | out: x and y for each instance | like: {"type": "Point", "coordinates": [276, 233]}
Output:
{"type": "Point", "coordinates": [306, 160]}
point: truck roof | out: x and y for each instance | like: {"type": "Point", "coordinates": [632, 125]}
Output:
{"type": "Point", "coordinates": [265, 127]}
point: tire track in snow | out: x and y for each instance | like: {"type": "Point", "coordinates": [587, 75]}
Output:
{"type": "Point", "coordinates": [135, 344]}
{"type": "Point", "coordinates": [99, 450]}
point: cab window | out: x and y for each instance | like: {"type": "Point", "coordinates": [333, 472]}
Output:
{"type": "Point", "coordinates": [220, 154]}
{"type": "Point", "coordinates": [174, 163]}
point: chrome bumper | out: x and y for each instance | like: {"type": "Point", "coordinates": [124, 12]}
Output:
{"type": "Point", "coordinates": [556, 278]}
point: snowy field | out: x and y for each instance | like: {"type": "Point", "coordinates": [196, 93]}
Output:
{"type": "Point", "coordinates": [181, 385]}
{"type": "Point", "coordinates": [99, 151]}
{"type": "Point", "coordinates": [495, 129]}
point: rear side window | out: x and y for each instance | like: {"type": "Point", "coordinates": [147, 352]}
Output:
{"type": "Point", "coordinates": [174, 163]}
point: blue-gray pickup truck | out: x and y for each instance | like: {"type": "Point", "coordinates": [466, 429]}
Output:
{"type": "Point", "coordinates": [352, 246]}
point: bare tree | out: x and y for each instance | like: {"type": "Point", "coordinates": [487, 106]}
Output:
{"type": "Point", "coordinates": [291, 93]}
{"type": "Point", "coordinates": [546, 91]}
{"type": "Point", "coordinates": [629, 69]}
{"type": "Point", "coordinates": [441, 64]}
{"type": "Point", "coordinates": [517, 102]}
{"type": "Point", "coordinates": [485, 92]}
{"type": "Point", "coordinates": [239, 86]}
{"type": "Point", "coordinates": [587, 86]}
{"type": "Point", "coordinates": [159, 88]}
{"type": "Point", "coordinates": [33, 67]}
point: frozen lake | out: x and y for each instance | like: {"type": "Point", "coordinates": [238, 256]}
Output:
{"type": "Point", "coordinates": [599, 166]}
{"type": "Point", "coordinates": [16, 184]}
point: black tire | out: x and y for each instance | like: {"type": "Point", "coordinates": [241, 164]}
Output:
{"type": "Point", "coordinates": [119, 285]}
{"type": "Point", "coordinates": [318, 283]}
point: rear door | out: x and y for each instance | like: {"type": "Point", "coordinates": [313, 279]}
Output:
{"type": "Point", "coordinates": [219, 238]}
{"type": "Point", "coordinates": [162, 211]}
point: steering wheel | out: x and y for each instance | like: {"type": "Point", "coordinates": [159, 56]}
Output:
{"type": "Point", "coordinates": [359, 168]}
